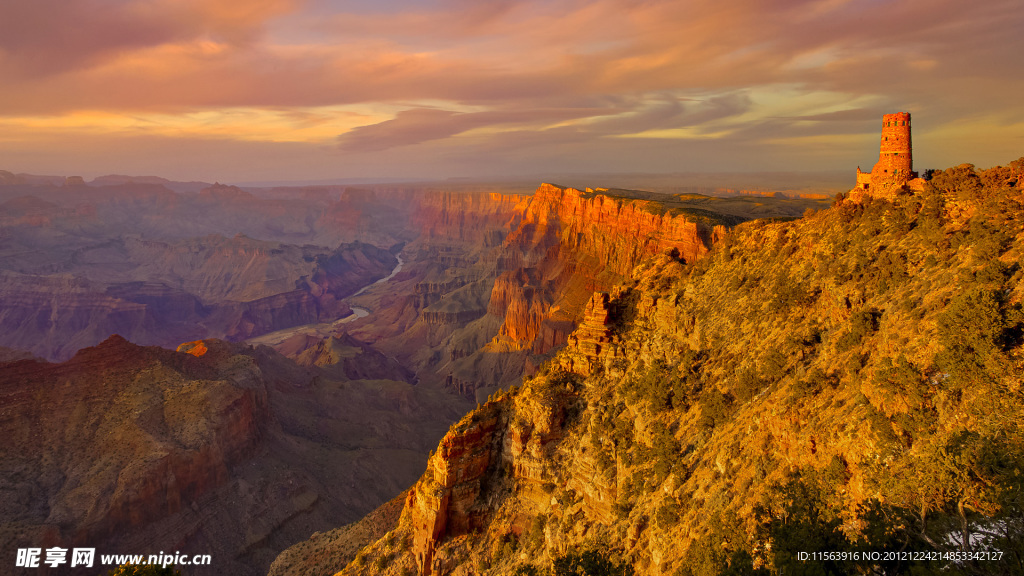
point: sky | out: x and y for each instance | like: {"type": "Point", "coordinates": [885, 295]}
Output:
{"type": "Point", "coordinates": [258, 90]}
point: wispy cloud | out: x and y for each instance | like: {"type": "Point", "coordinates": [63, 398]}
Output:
{"type": "Point", "coordinates": [456, 77]}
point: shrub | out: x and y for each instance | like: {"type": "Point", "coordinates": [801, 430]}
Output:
{"type": "Point", "coordinates": [664, 452]}
{"type": "Point", "coordinates": [526, 570]}
{"type": "Point", "coordinates": [667, 514]}
{"type": "Point", "coordinates": [748, 384]}
{"type": "Point", "coordinates": [988, 241]}
{"type": "Point", "coordinates": [537, 529]}
{"type": "Point", "coordinates": [714, 409]}
{"type": "Point", "coordinates": [589, 563]}
{"type": "Point", "coordinates": [382, 562]}
{"type": "Point", "coordinates": [862, 324]}
{"type": "Point", "coordinates": [975, 328]}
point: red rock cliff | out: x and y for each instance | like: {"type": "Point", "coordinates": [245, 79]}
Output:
{"type": "Point", "coordinates": [480, 218]}
{"type": "Point", "coordinates": [571, 243]}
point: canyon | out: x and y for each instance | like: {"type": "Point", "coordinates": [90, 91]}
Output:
{"type": "Point", "coordinates": [813, 385]}
{"type": "Point", "coordinates": [444, 298]}
{"type": "Point", "coordinates": [217, 448]}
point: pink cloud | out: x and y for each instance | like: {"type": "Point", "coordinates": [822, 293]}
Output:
{"type": "Point", "coordinates": [420, 125]}
{"type": "Point", "coordinates": [44, 37]}
{"type": "Point", "coordinates": [601, 68]}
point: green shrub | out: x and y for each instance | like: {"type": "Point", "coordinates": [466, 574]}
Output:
{"type": "Point", "coordinates": [667, 514]}
{"type": "Point", "coordinates": [382, 562]}
{"type": "Point", "coordinates": [589, 563]}
{"type": "Point", "coordinates": [664, 452]}
{"type": "Point", "coordinates": [862, 325]}
{"type": "Point", "coordinates": [715, 408]}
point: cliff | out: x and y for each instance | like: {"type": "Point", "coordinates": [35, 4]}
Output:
{"type": "Point", "coordinates": [163, 293]}
{"type": "Point", "coordinates": [217, 448]}
{"type": "Point", "coordinates": [133, 435]}
{"type": "Point", "coordinates": [498, 281]}
{"type": "Point", "coordinates": [612, 226]}
{"type": "Point", "coordinates": [477, 218]}
{"type": "Point", "coordinates": [847, 382]}
{"type": "Point", "coordinates": [571, 243]}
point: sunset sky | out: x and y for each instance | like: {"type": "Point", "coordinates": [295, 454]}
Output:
{"type": "Point", "coordinates": [255, 90]}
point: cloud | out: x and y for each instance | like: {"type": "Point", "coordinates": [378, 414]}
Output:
{"type": "Point", "coordinates": [45, 37]}
{"type": "Point", "coordinates": [418, 125]}
{"type": "Point", "coordinates": [849, 115]}
{"type": "Point", "coordinates": [408, 127]}
{"type": "Point", "coordinates": [503, 76]}
{"type": "Point", "coordinates": [173, 53]}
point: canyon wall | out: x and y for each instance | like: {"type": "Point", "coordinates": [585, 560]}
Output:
{"type": "Point", "coordinates": [164, 293]}
{"type": "Point", "coordinates": [217, 448]}
{"type": "Point", "coordinates": [571, 243]}
{"type": "Point", "coordinates": [781, 395]}
{"type": "Point", "coordinates": [499, 281]}
{"type": "Point", "coordinates": [121, 437]}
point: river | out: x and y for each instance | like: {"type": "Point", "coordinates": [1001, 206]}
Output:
{"type": "Point", "coordinates": [325, 329]}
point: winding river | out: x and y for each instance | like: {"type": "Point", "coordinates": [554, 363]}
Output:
{"type": "Point", "coordinates": [325, 329]}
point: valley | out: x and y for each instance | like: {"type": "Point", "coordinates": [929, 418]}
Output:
{"type": "Point", "coordinates": [308, 371]}
{"type": "Point", "coordinates": [846, 382]}
{"type": "Point", "coordinates": [514, 288]}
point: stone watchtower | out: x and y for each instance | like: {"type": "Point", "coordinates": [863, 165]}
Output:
{"type": "Point", "coordinates": [895, 166]}
{"type": "Point", "coordinates": [895, 157]}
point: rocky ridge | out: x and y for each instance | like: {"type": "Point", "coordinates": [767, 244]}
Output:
{"type": "Point", "coordinates": [218, 448]}
{"type": "Point", "coordinates": [867, 354]}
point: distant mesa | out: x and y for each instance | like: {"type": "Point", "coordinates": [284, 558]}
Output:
{"type": "Point", "coordinates": [120, 179]}
{"type": "Point", "coordinates": [894, 170]}
{"type": "Point", "coordinates": [224, 192]}
{"type": "Point", "coordinates": [74, 181]}
{"type": "Point", "coordinates": [8, 179]}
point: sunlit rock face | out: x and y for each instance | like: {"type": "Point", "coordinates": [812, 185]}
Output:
{"type": "Point", "coordinates": [570, 243]}
{"type": "Point", "coordinates": [503, 279]}
{"type": "Point", "coordinates": [784, 392]}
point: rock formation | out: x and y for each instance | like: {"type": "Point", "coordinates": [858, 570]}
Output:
{"type": "Point", "coordinates": [571, 243]}
{"type": "Point", "coordinates": [217, 449]}
{"type": "Point", "coordinates": [785, 393]}
{"type": "Point", "coordinates": [502, 279]}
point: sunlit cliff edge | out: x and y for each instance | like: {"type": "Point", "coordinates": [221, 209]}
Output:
{"type": "Point", "coordinates": [849, 381]}
{"type": "Point", "coordinates": [503, 279]}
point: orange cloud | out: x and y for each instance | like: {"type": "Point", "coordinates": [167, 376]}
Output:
{"type": "Point", "coordinates": [498, 75]}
